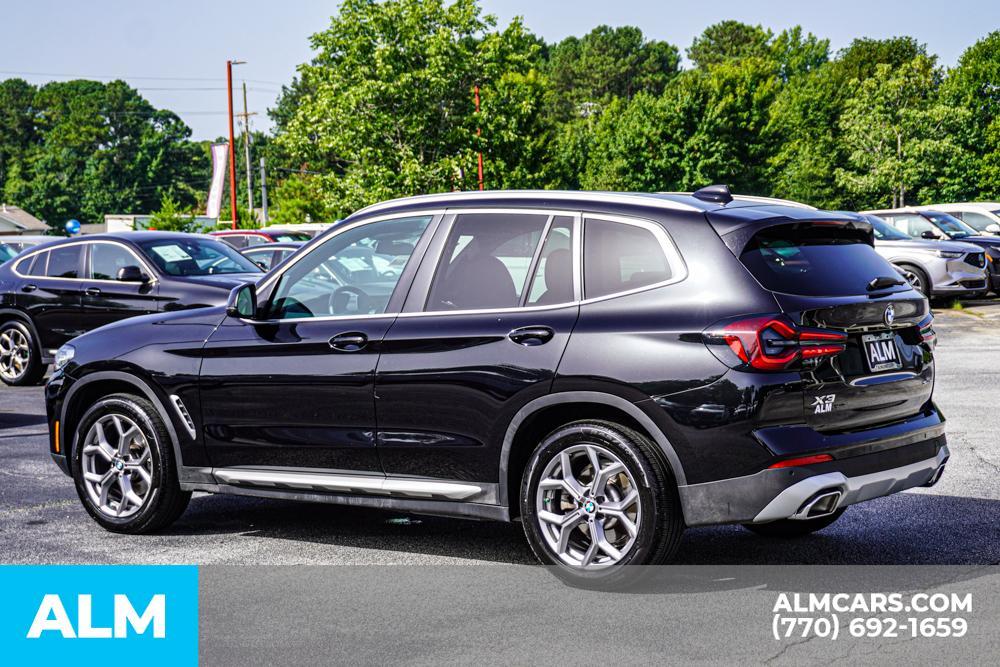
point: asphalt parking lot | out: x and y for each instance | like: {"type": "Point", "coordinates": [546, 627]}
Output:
{"type": "Point", "coordinates": [956, 522]}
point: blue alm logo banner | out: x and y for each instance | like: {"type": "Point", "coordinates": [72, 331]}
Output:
{"type": "Point", "coordinates": [85, 614]}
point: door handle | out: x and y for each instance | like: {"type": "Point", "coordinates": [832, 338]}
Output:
{"type": "Point", "coordinates": [93, 291]}
{"type": "Point", "coordinates": [531, 336]}
{"type": "Point", "coordinates": [29, 288]}
{"type": "Point", "coordinates": [349, 342]}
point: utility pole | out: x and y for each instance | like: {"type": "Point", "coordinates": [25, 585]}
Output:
{"type": "Point", "coordinates": [245, 116]}
{"type": "Point", "coordinates": [479, 133]}
{"type": "Point", "coordinates": [232, 150]}
{"type": "Point", "coordinates": [263, 190]}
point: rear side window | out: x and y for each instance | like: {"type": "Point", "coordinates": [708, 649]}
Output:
{"type": "Point", "coordinates": [64, 262]}
{"type": "Point", "coordinates": [619, 257]}
{"type": "Point", "coordinates": [34, 265]}
{"type": "Point", "coordinates": [811, 260]}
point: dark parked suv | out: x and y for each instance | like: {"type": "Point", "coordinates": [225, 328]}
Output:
{"type": "Point", "coordinates": [62, 289]}
{"type": "Point", "coordinates": [609, 368]}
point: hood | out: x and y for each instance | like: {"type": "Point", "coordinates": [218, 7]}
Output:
{"type": "Point", "coordinates": [226, 281]}
{"type": "Point", "coordinates": [982, 241]}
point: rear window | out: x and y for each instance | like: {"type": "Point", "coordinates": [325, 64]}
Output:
{"type": "Point", "coordinates": [812, 260]}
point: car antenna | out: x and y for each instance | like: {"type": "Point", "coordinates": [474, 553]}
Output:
{"type": "Point", "coordinates": [718, 194]}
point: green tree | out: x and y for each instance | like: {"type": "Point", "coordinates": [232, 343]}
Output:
{"type": "Point", "coordinates": [607, 63]}
{"type": "Point", "coordinates": [729, 40]}
{"type": "Point", "coordinates": [898, 135]}
{"type": "Point", "coordinates": [101, 148]}
{"type": "Point", "coordinates": [17, 129]}
{"type": "Point", "coordinates": [390, 109]}
{"type": "Point", "coordinates": [974, 85]}
{"type": "Point", "coordinates": [170, 218]}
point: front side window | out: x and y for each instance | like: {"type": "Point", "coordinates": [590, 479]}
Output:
{"type": "Point", "coordinates": [64, 262]}
{"type": "Point", "coordinates": [6, 253]}
{"type": "Point", "coordinates": [977, 221]}
{"type": "Point", "coordinates": [106, 259]}
{"type": "Point", "coordinates": [619, 257]}
{"type": "Point", "coordinates": [486, 261]}
{"type": "Point", "coordinates": [263, 257]}
{"type": "Point", "coordinates": [195, 257]}
{"type": "Point", "coordinates": [352, 273]}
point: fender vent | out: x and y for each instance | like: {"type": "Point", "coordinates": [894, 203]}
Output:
{"type": "Point", "coordinates": [184, 414]}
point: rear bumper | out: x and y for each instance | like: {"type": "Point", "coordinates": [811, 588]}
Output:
{"type": "Point", "coordinates": [862, 470]}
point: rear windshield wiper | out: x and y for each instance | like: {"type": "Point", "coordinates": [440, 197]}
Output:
{"type": "Point", "coordinates": [884, 282]}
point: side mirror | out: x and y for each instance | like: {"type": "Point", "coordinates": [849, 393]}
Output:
{"type": "Point", "coordinates": [262, 264]}
{"type": "Point", "coordinates": [242, 302]}
{"type": "Point", "coordinates": [993, 228]}
{"type": "Point", "coordinates": [929, 235]}
{"type": "Point", "coordinates": [132, 274]}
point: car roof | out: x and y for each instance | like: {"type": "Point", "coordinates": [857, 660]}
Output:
{"type": "Point", "coordinates": [988, 205]}
{"type": "Point", "coordinates": [228, 232]}
{"type": "Point", "coordinates": [281, 245]}
{"type": "Point", "coordinates": [675, 201]}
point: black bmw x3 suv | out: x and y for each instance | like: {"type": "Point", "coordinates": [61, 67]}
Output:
{"type": "Point", "coordinates": [608, 368]}
{"type": "Point", "coordinates": [59, 290]}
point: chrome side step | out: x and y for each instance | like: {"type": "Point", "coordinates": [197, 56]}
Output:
{"type": "Point", "coordinates": [361, 484]}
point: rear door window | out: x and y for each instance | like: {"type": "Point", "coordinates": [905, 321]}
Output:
{"type": "Point", "coordinates": [64, 262]}
{"type": "Point", "coordinates": [811, 260]}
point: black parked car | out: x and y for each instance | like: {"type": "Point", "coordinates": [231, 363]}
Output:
{"type": "Point", "coordinates": [607, 367]}
{"type": "Point", "coordinates": [59, 290]}
{"type": "Point", "coordinates": [269, 255]}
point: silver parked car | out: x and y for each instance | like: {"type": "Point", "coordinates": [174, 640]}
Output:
{"type": "Point", "coordinates": [936, 268]}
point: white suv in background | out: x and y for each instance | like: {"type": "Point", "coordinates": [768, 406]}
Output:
{"type": "Point", "coordinates": [984, 217]}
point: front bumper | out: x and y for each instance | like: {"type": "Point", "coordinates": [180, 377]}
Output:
{"type": "Point", "coordinates": [800, 492]}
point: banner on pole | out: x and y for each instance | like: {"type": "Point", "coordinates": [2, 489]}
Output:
{"type": "Point", "coordinates": [220, 154]}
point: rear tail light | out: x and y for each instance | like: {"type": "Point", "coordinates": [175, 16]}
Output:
{"type": "Point", "coordinates": [772, 343]}
{"type": "Point", "coordinates": [927, 333]}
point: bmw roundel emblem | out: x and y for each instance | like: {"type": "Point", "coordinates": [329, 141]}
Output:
{"type": "Point", "coordinates": [890, 315]}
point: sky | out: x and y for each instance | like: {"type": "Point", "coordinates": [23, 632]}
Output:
{"type": "Point", "coordinates": [174, 52]}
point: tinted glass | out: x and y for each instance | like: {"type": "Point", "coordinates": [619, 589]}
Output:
{"type": "Point", "coordinates": [618, 257]}
{"type": "Point", "coordinates": [951, 225]}
{"type": "Point", "coordinates": [253, 239]}
{"type": "Point", "coordinates": [977, 221]}
{"type": "Point", "coordinates": [288, 237]}
{"type": "Point", "coordinates": [486, 261]}
{"type": "Point", "coordinates": [814, 261]}
{"type": "Point", "coordinates": [107, 258]}
{"type": "Point", "coordinates": [235, 240]}
{"type": "Point", "coordinates": [264, 257]}
{"type": "Point", "coordinates": [192, 256]}
{"type": "Point", "coordinates": [64, 262]}
{"type": "Point", "coordinates": [353, 273]}
{"type": "Point", "coordinates": [886, 232]}
{"type": "Point", "coordinates": [34, 266]}
{"type": "Point", "coordinates": [553, 279]}
{"type": "Point", "coordinates": [6, 253]}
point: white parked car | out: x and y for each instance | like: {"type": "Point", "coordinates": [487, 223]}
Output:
{"type": "Point", "coordinates": [984, 217]}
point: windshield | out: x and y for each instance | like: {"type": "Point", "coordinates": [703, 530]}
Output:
{"type": "Point", "coordinates": [6, 252]}
{"type": "Point", "coordinates": [951, 225]}
{"type": "Point", "coordinates": [196, 257]}
{"type": "Point", "coordinates": [289, 237]}
{"type": "Point", "coordinates": [886, 232]}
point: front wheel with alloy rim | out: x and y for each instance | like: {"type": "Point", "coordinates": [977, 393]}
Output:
{"type": "Point", "coordinates": [595, 500]}
{"type": "Point", "coordinates": [20, 361]}
{"type": "Point", "coordinates": [123, 466]}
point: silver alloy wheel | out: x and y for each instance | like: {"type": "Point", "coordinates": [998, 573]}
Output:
{"type": "Point", "coordinates": [117, 466]}
{"type": "Point", "coordinates": [914, 279]}
{"type": "Point", "coordinates": [15, 354]}
{"type": "Point", "coordinates": [588, 507]}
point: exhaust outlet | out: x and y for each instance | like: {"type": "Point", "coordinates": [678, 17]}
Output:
{"type": "Point", "coordinates": [822, 504]}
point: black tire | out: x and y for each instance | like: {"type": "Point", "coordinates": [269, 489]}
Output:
{"type": "Point", "coordinates": [658, 533]}
{"type": "Point", "coordinates": [926, 288]}
{"type": "Point", "coordinates": [165, 501]}
{"type": "Point", "coordinates": [34, 370]}
{"type": "Point", "coordinates": [792, 528]}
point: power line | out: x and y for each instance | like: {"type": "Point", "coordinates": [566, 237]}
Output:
{"type": "Point", "coordinates": [137, 78]}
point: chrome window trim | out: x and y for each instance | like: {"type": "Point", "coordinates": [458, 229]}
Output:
{"type": "Point", "coordinates": [671, 253]}
{"type": "Point", "coordinates": [453, 198]}
{"type": "Point", "coordinates": [675, 260]}
{"type": "Point", "coordinates": [154, 277]}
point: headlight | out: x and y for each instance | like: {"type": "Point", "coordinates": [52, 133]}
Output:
{"type": "Point", "coordinates": [64, 355]}
{"type": "Point", "coordinates": [947, 254]}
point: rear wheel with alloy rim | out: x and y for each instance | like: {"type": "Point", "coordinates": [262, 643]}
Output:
{"type": "Point", "coordinates": [917, 278]}
{"type": "Point", "coordinates": [595, 499]}
{"type": "Point", "coordinates": [20, 361]}
{"type": "Point", "coordinates": [123, 466]}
